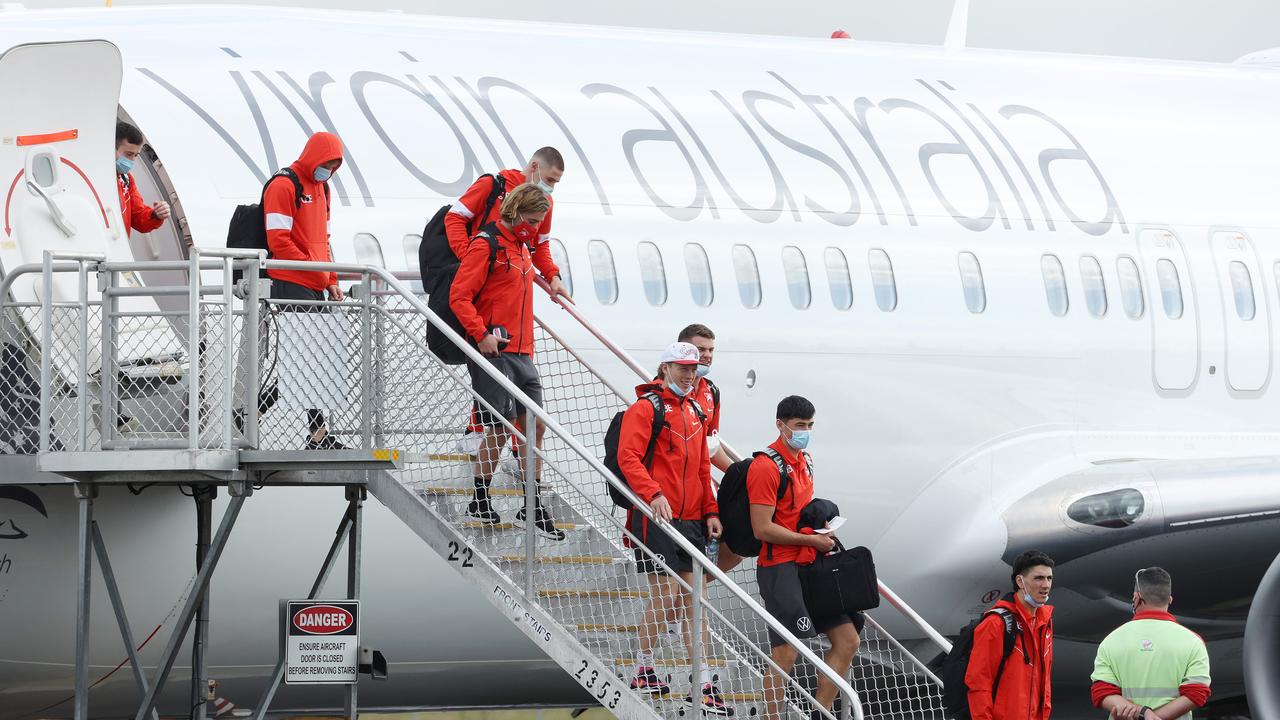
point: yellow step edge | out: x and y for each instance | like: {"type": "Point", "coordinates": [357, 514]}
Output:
{"type": "Point", "coordinates": [495, 492]}
{"type": "Point", "coordinates": [449, 457]}
{"type": "Point", "coordinates": [594, 593]}
{"type": "Point", "coordinates": [727, 697]}
{"type": "Point", "coordinates": [599, 627]}
{"type": "Point", "coordinates": [477, 525]}
{"type": "Point", "coordinates": [566, 559]}
{"type": "Point", "coordinates": [670, 662]}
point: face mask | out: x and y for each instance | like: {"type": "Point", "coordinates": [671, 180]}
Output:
{"type": "Point", "coordinates": [799, 439]}
{"type": "Point", "coordinates": [526, 232]}
{"type": "Point", "coordinates": [543, 186]}
{"type": "Point", "coordinates": [322, 174]}
{"type": "Point", "coordinates": [1031, 602]}
{"type": "Point", "coordinates": [680, 391]}
{"type": "Point", "coordinates": [704, 370]}
{"type": "Point", "coordinates": [123, 165]}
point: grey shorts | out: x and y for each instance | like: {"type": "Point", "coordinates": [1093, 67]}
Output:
{"type": "Point", "coordinates": [784, 599]}
{"type": "Point", "coordinates": [661, 545]}
{"type": "Point", "coordinates": [522, 373]}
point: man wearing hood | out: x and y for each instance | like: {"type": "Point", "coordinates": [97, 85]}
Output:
{"type": "Point", "coordinates": [298, 229]}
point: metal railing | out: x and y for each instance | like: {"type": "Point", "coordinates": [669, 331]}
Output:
{"type": "Point", "coordinates": [404, 397]}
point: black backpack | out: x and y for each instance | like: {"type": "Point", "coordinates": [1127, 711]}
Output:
{"type": "Point", "coordinates": [955, 693]}
{"type": "Point", "coordinates": [614, 434]}
{"type": "Point", "coordinates": [248, 228]}
{"type": "Point", "coordinates": [438, 266]}
{"type": "Point", "coordinates": [735, 506]}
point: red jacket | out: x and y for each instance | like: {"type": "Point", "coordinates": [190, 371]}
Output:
{"type": "Point", "coordinates": [135, 212]}
{"type": "Point", "coordinates": [681, 467]}
{"type": "Point", "coordinates": [503, 296]}
{"type": "Point", "coordinates": [302, 232]}
{"type": "Point", "coordinates": [472, 202]}
{"type": "Point", "coordinates": [1025, 691]}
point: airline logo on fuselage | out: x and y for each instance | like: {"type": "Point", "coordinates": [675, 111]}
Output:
{"type": "Point", "coordinates": [927, 151]}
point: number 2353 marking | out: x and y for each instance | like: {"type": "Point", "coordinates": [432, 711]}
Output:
{"type": "Point", "coordinates": [590, 681]}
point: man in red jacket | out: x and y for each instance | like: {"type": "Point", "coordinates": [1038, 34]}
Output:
{"type": "Point", "coordinates": [676, 484]}
{"type": "Point", "coordinates": [1022, 691]}
{"type": "Point", "coordinates": [298, 229]}
{"type": "Point", "coordinates": [494, 304]}
{"type": "Point", "coordinates": [544, 170]}
{"type": "Point", "coordinates": [134, 211]}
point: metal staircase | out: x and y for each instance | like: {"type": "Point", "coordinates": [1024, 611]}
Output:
{"type": "Point", "coordinates": [126, 387]}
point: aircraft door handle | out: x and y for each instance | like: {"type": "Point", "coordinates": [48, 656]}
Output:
{"type": "Point", "coordinates": [54, 211]}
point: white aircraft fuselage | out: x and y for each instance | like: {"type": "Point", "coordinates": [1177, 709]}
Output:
{"type": "Point", "coordinates": [955, 427]}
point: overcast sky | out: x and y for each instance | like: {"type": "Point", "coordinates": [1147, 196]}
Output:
{"type": "Point", "coordinates": [1212, 30]}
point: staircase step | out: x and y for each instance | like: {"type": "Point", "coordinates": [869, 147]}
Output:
{"type": "Point", "coordinates": [566, 559]}
{"type": "Point", "coordinates": [493, 492]}
{"type": "Point", "coordinates": [613, 594]}
{"type": "Point", "coordinates": [606, 628]}
{"type": "Point", "coordinates": [477, 525]}
{"type": "Point", "coordinates": [726, 696]}
{"type": "Point", "coordinates": [672, 662]}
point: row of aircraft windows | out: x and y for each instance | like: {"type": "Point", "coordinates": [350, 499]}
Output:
{"type": "Point", "coordinates": [795, 271]}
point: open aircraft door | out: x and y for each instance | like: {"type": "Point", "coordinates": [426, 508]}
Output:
{"type": "Point", "coordinates": [57, 167]}
{"type": "Point", "coordinates": [1175, 361]}
{"type": "Point", "coordinates": [1244, 307]}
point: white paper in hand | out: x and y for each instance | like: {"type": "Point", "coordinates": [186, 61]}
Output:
{"type": "Point", "coordinates": [832, 526]}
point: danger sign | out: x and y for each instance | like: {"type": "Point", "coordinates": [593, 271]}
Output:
{"type": "Point", "coordinates": [321, 641]}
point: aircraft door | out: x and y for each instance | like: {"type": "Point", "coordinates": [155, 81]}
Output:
{"type": "Point", "coordinates": [1175, 358]}
{"type": "Point", "coordinates": [1244, 307]}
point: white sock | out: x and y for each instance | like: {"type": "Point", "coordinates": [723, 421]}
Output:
{"type": "Point", "coordinates": [644, 659]}
{"type": "Point", "coordinates": [707, 676]}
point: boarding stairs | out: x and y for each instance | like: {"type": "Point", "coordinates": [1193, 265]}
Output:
{"type": "Point", "coordinates": [133, 386]}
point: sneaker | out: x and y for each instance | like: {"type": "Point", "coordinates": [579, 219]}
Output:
{"type": "Point", "coordinates": [712, 703]}
{"type": "Point", "coordinates": [542, 520]}
{"type": "Point", "coordinates": [482, 510]}
{"type": "Point", "coordinates": [646, 681]}
{"type": "Point", "coordinates": [327, 442]}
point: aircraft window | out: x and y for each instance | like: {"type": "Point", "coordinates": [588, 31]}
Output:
{"type": "Point", "coordinates": [652, 274]}
{"type": "Point", "coordinates": [1170, 288]}
{"type": "Point", "coordinates": [411, 244]}
{"type": "Point", "coordinates": [1116, 509]}
{"type": "Point", "coordinates": [699, 269]}
{"type": "Point", "coordinates": [1095, 288]}
{"type": "Point", "coordinates": [744, 266]}
{"type": "Point", "coordinates": [838, 278]}
{"type": "Point", "coordinates": [1130, 287]}
{"type": "Point", "coordinates": [882, 281]}
{"type": "Point", "coordinates": [1242, 289]}
{"type": "Point", "coordinates": [561, 258]}
{"type": "Point", "coordinates": [1055, 284]}
{"type": "Point", "coordinates": [602, 271]}
{"type": "Point", "coordinates": [975, 290]}
{"type": "Point", "coordinates": [796, 272]}
{"type": "Point", "coordinates": [368, 251]}
{"type": "Point", "coordinates": [43, 171]}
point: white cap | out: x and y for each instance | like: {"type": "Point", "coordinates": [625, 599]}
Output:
{"type": "Point", "coordinates": [680, 353]}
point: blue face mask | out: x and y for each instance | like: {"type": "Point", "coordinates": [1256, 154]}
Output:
{"type": "Point", "coordinates": [322, 174]}
{"type": "Point", "coordinates": [704, 370]}
{"type": "Point", "coordinates": [123, 165]}
{"type": "Point", "coordinates": [677, 389]}
{"type": "Point", "coordinates": [799, 439]}
{"type": "Point", "coordinates": [1032, 602]}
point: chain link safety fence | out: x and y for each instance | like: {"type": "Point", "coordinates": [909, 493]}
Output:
{"type": "Point", "coordinates": [357, 374]}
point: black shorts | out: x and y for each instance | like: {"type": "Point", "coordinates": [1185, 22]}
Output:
{"type": "Point", "coordinates": [784, 599]}
{"type": "Point", "coordinates": [661, 545]}
{"type": "Point", "coordinates": [522, 373]}
{"type": "Point", "coordinates": [285, 290]}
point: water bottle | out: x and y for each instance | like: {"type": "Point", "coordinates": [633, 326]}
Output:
{"type": "Point", "coordinates": [713, 549]}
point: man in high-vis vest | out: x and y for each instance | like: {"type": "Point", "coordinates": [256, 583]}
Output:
{"type": "Point", "coordinates": [1151, 668]}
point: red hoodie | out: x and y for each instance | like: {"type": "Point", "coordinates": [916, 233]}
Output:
{"type": "Point", "coordinates": [1025, 692]}
{"type": "Point", "coordinates": [302, 232]}
{"type": "Point", "coordinates": [681, 467]}
{"type": "Point", "coordinates": [472, 202]}
{"type": "Point", "coordinates": [481, 297]}
{"type": "Point", "coordinates": [135, 212]}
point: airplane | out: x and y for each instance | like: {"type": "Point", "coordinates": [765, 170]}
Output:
{"type": "Point", "coordinates": [1035, 297]}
